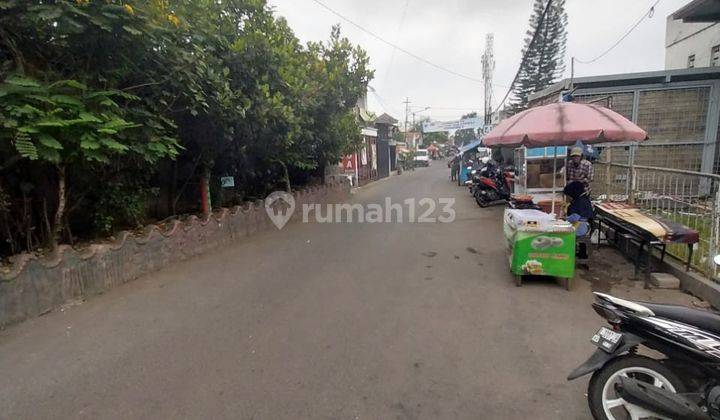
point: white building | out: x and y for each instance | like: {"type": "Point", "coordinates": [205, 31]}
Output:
{"type": "Point", "coordinates": [692, 36]}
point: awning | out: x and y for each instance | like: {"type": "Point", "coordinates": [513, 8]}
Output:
{"type": "Point", "coordinates": [367, 131]}
{"type": "Point", "coordinates": [469, 147]}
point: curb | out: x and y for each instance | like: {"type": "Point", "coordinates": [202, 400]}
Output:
{"type": "Point", "coordinates": [704, 288]}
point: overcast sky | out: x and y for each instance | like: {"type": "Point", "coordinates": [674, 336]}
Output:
{"type": "Point", "coordinates": [452, 33]}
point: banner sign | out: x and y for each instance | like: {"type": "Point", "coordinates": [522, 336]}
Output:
{"type": "Point", "coordinates": [436, 126]}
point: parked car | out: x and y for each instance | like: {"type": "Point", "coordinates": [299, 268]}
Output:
{"type": "Point", "coordinates": [422, 158]}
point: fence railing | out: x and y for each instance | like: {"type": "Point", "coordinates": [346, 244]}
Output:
{"type": "Point", "coordinates": [687, 197]}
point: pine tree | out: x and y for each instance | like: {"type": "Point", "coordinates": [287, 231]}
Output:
{"type": "Point", "coordinates": [545, 61]}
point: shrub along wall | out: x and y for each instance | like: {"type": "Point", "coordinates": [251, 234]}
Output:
{"type": "Point", "coordinates": [35, 285]}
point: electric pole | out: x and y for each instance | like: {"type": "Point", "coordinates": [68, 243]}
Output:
{"type": "Point", "coordinates": [407, 109]}
{"type": "Point", "coordinates": [488, 67]}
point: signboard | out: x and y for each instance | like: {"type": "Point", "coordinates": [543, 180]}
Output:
{"type": "Point", "coordinates": [543, 253]}
{"type": "Point", "coordinates": [436, 126]}
{"type": "Point", "coordinates": [227, 181]}
{"type": "Point", "coordinates": [349, 163]}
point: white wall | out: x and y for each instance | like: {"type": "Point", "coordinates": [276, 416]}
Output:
{"type": "Point", "coordinates": [684, 39]}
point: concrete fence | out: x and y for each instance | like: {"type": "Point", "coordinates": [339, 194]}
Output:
{"type": "Point", "coordinates": [35, 285]}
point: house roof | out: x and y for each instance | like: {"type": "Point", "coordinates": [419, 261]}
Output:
{"type": "Point", "coordinates": [626, 79]}
{"type": "Point", "coordinates": [386, 119]}
{"type": "Point", "coordinates": [366, 116]}
{"type": "Point", "coordinates": [699, 11]}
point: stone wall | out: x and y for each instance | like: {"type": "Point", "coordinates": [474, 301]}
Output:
{"type": "Point", "coordinates": [33, 285]}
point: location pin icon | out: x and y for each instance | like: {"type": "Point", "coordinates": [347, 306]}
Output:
{"type": "Point", "coordinates": [280, 206]}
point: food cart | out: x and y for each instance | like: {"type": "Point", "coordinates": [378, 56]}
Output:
{"type": "Point", "coordinates": [537, 243]}
{"type": "Point", "coordinates": [535, 168]}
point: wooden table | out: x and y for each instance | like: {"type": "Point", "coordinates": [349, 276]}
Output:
{"type": "Point", "coordinates": [648, 230]}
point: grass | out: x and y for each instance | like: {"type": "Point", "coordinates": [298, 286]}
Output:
{"type": "Point", "coordinates": [699, 222]}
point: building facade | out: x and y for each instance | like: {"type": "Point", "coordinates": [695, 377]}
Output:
{"type": "Point", "coordinates": [678, 109]}
{"type": "Point", "coordinates": [692, 36]}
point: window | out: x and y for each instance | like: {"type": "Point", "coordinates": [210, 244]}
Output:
{"type": "Point", "coordinates": [691, 61]}
{"type": "Point", "coordinates": [715, 56]}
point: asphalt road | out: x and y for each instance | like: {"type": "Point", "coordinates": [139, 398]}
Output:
{"type": "Point", "coordinates": [326, 321]}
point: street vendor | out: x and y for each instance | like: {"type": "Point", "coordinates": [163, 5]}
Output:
{"type": "Point", "coordinates": [580, 207]}
{"type": "Point", "coordinates": [579, 212]}
{"type": "Point", "coordinates": [579, 169]}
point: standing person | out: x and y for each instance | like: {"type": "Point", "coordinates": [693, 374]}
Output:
{"type": "Point", "coordinates": [579, 169]}
{"type": "Point", "coordinates": [454, 168]}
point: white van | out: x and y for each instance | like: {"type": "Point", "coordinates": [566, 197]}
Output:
{"type": "Point", "coordinates": [422, 158]}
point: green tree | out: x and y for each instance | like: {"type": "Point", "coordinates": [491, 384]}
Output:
{"type": "Point", "coordinates": [61, 105]}
{"type": "Point", "coordinates": [103, 103]}
{"type": "Point", "coordinates": [545, 60]}
{"type": "Point", "coordinates": [440, 137]}
{"type": "Point", "coordinates": [344, 74]}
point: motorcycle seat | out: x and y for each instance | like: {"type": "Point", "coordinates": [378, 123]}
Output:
{"type": "Point", "coordinates": [695, 317]}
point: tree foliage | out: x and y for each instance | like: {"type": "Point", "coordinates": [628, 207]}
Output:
{"type": "Point", "coordinates": [104, 101]}
{"type": "Point", "coordinates": [429, 138]}
{"type": "Point", "coordinates": [545, 60]}
{"type": "Point", "coordinates": [440, 137]}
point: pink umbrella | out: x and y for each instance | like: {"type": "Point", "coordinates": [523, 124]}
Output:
{"type": "Point", "coordinates": [563, 124]}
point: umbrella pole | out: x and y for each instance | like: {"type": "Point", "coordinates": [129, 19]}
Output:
{"type": "Point", "coordinates": [554, 178]}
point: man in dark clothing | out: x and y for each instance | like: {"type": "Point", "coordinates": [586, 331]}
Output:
{"type": "Point", "coordinates": [579, 212]}
{"type": "Point", "coordinates": [580, 203]}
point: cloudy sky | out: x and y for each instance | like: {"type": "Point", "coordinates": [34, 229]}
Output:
{"type": "Point", "coordinates": [452, 33]}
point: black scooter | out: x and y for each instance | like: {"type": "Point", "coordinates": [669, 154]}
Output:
{"type": "Point", "coordinates": [685, 384]}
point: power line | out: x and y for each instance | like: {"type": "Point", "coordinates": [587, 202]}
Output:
{"type": "Point", "coordinates": [527, 52]}
{"type": "Point", "coordinates": [647, 14]}
{"type": "Point", "coordinates": [399, 48]}
{"type": "Point", "coordinates": [382, 101]}
{"type": "Point", "coordinates": [392, 55]}
{"type": "Point", "coordinates": [444, 108]}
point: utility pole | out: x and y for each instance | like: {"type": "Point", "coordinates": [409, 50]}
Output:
{"type": "Point", "coordinates": [413, 119]}
{"type": "Point", "coordinates": [407, 109]}
{"type": "Point", "coordinates": [488, 67]}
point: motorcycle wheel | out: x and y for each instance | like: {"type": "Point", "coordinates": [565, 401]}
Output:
{"type": "Point", "coordinates": [480, 200]}
{"type": "Point", "coordinates": [603, 400]}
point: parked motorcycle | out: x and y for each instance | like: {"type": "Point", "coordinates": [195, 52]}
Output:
{"type": "Point", "coordinates": [684, 384]}
{"type": "Point", "coordinates": [493, 184]}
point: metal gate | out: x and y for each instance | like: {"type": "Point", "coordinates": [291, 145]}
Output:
{"type": "Point", "coordinates": [383, 158]}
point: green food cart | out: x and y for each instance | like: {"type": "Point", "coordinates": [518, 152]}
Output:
{"type": "Point", "coordinates": [537, 244]}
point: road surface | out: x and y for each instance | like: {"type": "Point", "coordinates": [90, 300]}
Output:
{"type": "Point", "coordinates": [324, 321]}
